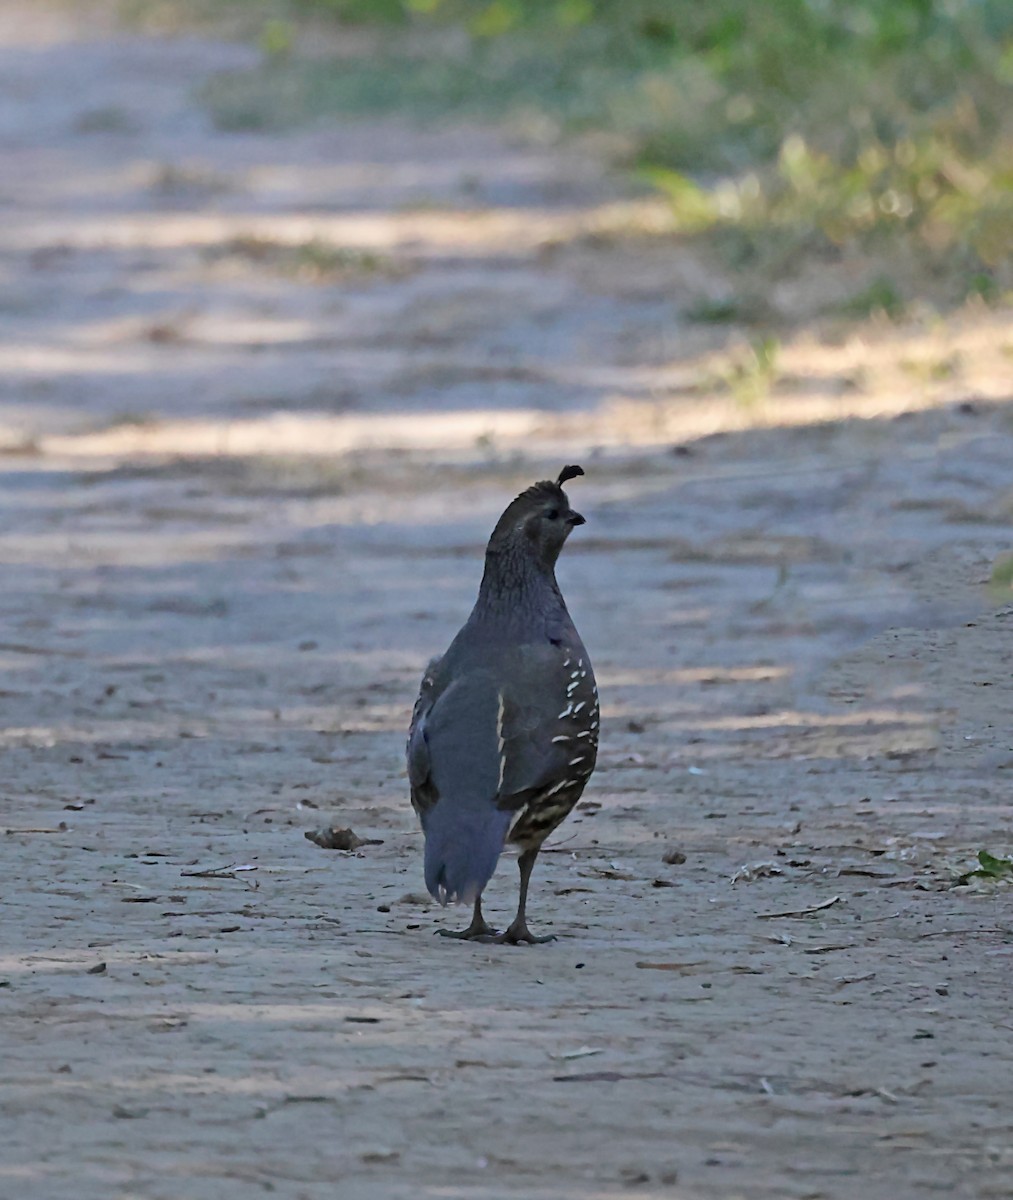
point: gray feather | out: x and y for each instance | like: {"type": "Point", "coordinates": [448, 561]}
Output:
{"type": "Point", "coordinates": [454, 767]}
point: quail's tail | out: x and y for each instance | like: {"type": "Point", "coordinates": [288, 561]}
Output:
{"type": "Point", "coordinates": [462, 850]}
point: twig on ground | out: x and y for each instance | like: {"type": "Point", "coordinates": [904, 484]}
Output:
{"type": "Point", "coordinates": [227, 872]}
{"type": "Point", "coordinates": [800, 912]}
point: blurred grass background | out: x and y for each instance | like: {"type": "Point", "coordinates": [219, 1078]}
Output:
{"type": "Point", "coordinates": [801, 131]}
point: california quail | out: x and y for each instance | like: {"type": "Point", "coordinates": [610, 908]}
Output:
{"type": "Point", "coordinates": [505, 730]}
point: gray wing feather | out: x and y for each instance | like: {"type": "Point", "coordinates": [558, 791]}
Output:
{"type": "Point", "coordinates": [454, 763]}
{"type": "Point", "coordinates": [460, 730]}
{"type": "Point", "coordinates": [417, 750]}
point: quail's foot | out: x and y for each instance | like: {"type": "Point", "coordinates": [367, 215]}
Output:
{"type": "Point", "coordinates": [481, 933]}
{"type": "Point", "coordinates": [519, 934]}
{"type": "Point", "coordinates": [479, 928]}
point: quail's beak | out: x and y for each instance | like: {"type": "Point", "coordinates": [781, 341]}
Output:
{"type": "Point", "coordinates": [575, 519]}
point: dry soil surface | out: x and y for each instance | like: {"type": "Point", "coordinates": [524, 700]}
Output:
{"type": "Point", "coordinates": [245, 492]}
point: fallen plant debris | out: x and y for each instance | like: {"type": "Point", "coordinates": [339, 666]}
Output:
{"type": "Point", "coordinates": [990, 867]}
{"type": "Point", "coordinates": [607, 1076]}
{"type": "Point", "coordinates": [800, 912]}
{"type": "Point", "coordinates": [750, 871]}
{"type": "Point", "coordinates": [687, 968]}
{"type": "Point", "coordinates": [845, 980]}
{"type": "Point", "coordinates": [331, 837]}
{"type": "Point", "coordinates": [228, 872]}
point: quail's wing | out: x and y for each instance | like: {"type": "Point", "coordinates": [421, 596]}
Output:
{"type": "Point", "coordinates": [548, 727]}
{"type": "Point", "coordinates": [417, 750]}
{"type": "Point", "coordinates": [453, 743]}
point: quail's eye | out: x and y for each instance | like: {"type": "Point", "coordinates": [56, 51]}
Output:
{"type": "Point", "coordinates": [553, 514]}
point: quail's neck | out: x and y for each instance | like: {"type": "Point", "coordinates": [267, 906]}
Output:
{"type": "Point", "coordinates": [517, 585]}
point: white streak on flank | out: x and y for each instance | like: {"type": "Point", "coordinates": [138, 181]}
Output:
{"type": "Point", "coordinates": [579, 707]}
{"type": "Point", "coordinates": [573, 761]}
{"type": "Point", "coordinates": [580, 662]}
{"type": "Point", "coordinates": [565, 713]}
{"type": "Point", "coordinates": [558, 788]}
{"type": "Point", "coordinates": [565, 737]}
{"type": "Point", "coordinates": [501, 739]}
{"type": "Point", "coordinates": [584, 733]}
{"type": "Point", "coordinates": [566, 662]}
{"type": "Point", "coordinates": [573, 687]}
{"type": "Point", "coordinates": [594, 725]}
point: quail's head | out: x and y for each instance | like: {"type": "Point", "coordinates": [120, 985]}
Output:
{"type": "Point", "coordinates": [539, 521]}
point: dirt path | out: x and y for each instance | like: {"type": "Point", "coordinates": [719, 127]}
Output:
{"type": "Point", "coordinates": [214, 617]}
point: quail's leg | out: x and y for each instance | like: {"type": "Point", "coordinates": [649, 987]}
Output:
{"type": "Point", "coordinates": [518, 929]}
{"type": "Point", "coordinates": [478, 927]}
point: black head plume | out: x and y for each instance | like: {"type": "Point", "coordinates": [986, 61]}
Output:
{"type": "Point", "coordinates": [540, 514]}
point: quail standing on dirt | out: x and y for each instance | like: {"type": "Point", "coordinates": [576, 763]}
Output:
{"type": "Point", "coordinates": [505, 730]}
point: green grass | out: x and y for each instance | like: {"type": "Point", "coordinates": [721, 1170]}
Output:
{"type": "Point", "coordinates": [782, 132]}
{"type": "Point", "coordinates": [880, 296]}
{"type": "Point", "coordinates": [991, 867]}
{"type": "Point", "coordinates": [750, 372]}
